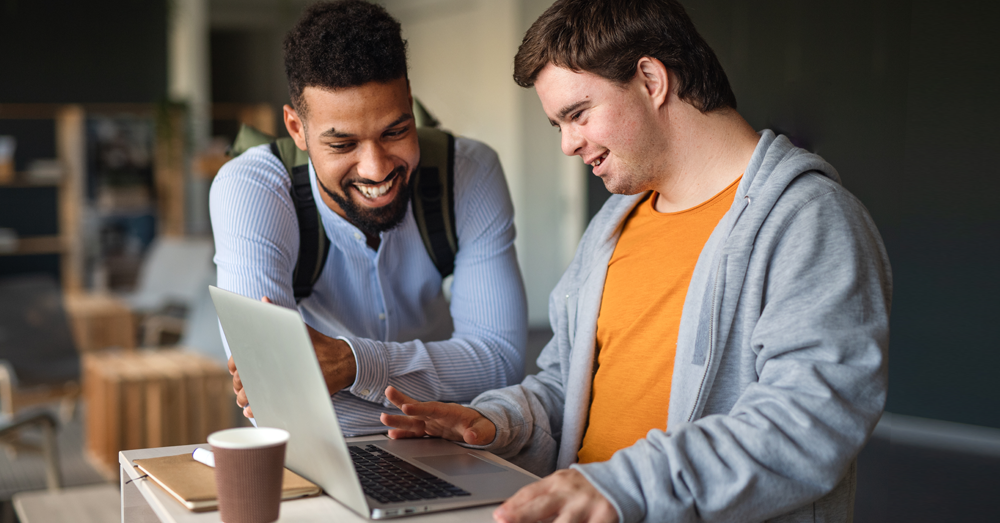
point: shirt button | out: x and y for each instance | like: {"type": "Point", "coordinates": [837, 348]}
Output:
{"type": "Point", "coordinates": [364, 392]}
{"type": "Point", "coordinates": [358, 236]}
{"type": "Point", "coordinates": [381, 315]}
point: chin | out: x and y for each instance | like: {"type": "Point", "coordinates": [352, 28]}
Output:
{"type": "Point", "coordinates": [615, 186]}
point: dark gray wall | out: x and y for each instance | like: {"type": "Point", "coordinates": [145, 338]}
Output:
{"type": "Point", "coordinates": [112, 51]}
{"type": "Point", "coordinates": [70, 51]}
{"type": "Point", "coordinates": [901, 97]}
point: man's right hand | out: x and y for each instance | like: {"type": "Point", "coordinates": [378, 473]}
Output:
{"type": "Point", "coordinates": [241, 395]}
{"type": "Point", "coordinates": [433, 418]}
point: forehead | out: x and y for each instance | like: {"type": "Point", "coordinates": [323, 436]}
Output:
{"type": "Point", "coordinates": [559, 88]}
{"type": "Point", "coordinates": [353, 109]}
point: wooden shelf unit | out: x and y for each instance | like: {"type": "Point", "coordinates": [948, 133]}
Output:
{"type": "Point", "coordinates": [71, 151]}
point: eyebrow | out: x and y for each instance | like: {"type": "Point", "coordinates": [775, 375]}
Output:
{"type": "Point", "coordinates": [568, 109]}
{"type": "Point", "coordinates": [333, 133]}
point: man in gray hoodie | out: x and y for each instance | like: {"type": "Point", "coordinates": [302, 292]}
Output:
{"type": "Point", "coordinates": [720, 338]}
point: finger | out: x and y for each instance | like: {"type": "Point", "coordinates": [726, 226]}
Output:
{"type": "Point", "coordinates": [237, 382]}
{"type": "Point", "coordinates": [232, 365]}
{"type": "Point", "coordinates": [265, 299]}
{"type": "Point", "coordinates": [405, 423]}
{"type": "Point", "coordinates": [247, 412]}
{"type": "Point", "coordinates": [481, 432]}
{"type": "Point", "coordinates": [534, 502]}
{"type": "Point", "coordinates": [429, 410]}
{"type": "Point", "coordinates": [396, 397]}
{"type": "Point", "coordinates": [241, 398]}
{"type": "Point", "coordinates": [403, 434]}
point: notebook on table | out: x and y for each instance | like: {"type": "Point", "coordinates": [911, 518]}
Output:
{"type": "Point", "coordinates": [193, 483]}
{"type": "Point", "coordinates": [378, 479]}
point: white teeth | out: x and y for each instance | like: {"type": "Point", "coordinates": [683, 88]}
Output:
{"type": "Point", "coordinates": [372, 192]}
{"type": "Point", "coordinates": [601, 159]}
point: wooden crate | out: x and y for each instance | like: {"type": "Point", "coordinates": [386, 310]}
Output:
{"type": "Point", "coordinates": [100, 321]}
{"type": "Point", "coordinates": [148, 399]}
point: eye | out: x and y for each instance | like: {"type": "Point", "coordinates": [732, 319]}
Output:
{"type": "Point", "coordinates": [395, 133]}
{"type": "Point", "coordinates": [340, 147]}
{"type": "Point", "coordinates": [576, 116]}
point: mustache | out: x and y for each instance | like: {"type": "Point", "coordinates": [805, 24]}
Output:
{"type": "Point", "coordinates": [395, 173]}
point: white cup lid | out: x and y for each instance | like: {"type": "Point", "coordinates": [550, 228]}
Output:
{"type": "Point", "coordinates": [247, 437]}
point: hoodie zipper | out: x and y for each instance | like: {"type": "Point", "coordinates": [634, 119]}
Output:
{"type": "Point", "coordinates": [711, 344]}
{"type": "Point", "coordinates": [711, 325]}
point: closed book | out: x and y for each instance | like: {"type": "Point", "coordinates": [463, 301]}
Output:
{"type": "Point", "coordinates": [193, 483]}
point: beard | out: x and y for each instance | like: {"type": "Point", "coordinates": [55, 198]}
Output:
{"type": "Point", "coordinates": [374, 220]}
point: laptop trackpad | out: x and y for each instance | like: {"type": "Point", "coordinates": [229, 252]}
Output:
{"type": "Point", "coordinates": [460, 464]}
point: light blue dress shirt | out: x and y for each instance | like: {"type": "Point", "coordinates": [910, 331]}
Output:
{"type": "Point", "coordinates": [388, 303]}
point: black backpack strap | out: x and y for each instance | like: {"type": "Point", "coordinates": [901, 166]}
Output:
{"type": "Point", "coordinates": [433, 196]}
{"type": "Point", "coordinates": [314, 246]}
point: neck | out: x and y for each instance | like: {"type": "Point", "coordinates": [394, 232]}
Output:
{"type": "Point", "coordinates": [702, 154]}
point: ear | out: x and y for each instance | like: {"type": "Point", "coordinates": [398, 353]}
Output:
{"type": "Point", "coordinates": [296, 127]}
{"type": "Point", "coordinates": [654, 80]}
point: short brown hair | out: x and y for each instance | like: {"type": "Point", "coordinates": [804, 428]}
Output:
{"type": "Point", "coordinates": [608, 37]}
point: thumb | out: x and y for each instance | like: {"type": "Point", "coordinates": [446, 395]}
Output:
{"type": "Point", "coordinates": [481, 432]}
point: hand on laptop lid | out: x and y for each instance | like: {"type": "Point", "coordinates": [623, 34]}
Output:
{"type": "Point", "coordinates": [432, 418]}
{"type": "Point", "coordinates": [336, 360]}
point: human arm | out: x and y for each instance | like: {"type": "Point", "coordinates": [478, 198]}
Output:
{"type": "Point", "coordinates": [566, 492]}
{"type": "Point", "coordinates": [336, 363]}
{"type": "Point", "coordinates": [813, 343]}
{"type": "Point", "coordinates": [257, 242]}
{"type": "Point", "coordinates": [484, 348]}
{"type": "Point", "coordinates": [256, 236]}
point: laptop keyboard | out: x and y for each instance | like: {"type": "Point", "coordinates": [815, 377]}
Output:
{"type": "Point", "coordinates": [389, 479]}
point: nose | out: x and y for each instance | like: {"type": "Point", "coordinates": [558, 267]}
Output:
{"type": "Point", "coordinates": [571, 141]}
{"type": "Point", "coordinates": [374, 163]}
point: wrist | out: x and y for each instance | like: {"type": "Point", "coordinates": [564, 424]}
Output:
{"type": "Point", "coordinates": [371, 366]}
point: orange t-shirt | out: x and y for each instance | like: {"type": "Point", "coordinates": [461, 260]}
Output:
{"type": "Point", "coordinates": [644, 293]}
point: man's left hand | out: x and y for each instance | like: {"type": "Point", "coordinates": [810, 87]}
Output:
{"type": "Point", "coordinates": [565, 495]}
{"type": "Point", "coordinates": [336, 360]}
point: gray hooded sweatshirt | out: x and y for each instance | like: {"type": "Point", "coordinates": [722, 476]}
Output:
{"type": "Point", "coordinates": [780, 370]}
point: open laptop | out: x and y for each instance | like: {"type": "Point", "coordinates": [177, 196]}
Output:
{"type": "Point", "coordinates": [380, 479]}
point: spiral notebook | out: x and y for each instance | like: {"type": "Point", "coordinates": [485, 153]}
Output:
{"type": "Point", "coordinates": [193, 483]}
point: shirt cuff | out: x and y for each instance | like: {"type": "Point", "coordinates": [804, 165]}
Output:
{"type": "Point", "coordinates": [373, 369]}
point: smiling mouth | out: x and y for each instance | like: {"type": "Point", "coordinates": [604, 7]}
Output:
{"type": "Point", "coordinates": [374, 191]}
{"type": "Point", "coordinates": [600, 159]}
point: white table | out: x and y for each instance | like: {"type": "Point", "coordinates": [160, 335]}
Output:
{"type": "Point", "coordinates": [145, 502]}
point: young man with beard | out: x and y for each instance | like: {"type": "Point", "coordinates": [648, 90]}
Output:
{"type": "Point", "coordinates": [721, 335]}
{"type": "Point", "coordinates": [377, 315]}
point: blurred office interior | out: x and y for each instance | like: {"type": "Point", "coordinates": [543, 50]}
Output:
{"type": "Point", "coordinates": [119, 113]}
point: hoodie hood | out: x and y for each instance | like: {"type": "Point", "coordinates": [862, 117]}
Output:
{"type": "Point", "coordinates": [722, 265]}
{"type": "Point", "coordinates": [774, 164]}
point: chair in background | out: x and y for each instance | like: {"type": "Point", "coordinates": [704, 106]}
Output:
{"type": "Point", "coordinates": [12, 437]}
{"type": "Point", "coordinates": [39, 364]}
{"type": "Point", "coordinates": [38, 360]}
{"type": "Point", "coordinates": [11, 430]}
{"type": "Point", "coordinates": [201, 332]}
{"type": "Point", "coordinates": [198, 331]}
{"type": "Point", "coordinates": [171, 274]}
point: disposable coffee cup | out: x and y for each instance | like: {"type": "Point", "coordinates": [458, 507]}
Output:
{"type": "Point", "coordinates": [249, 466]}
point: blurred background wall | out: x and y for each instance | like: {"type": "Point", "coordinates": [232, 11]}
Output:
{"type": "Point", "coordinates": [899, 95]}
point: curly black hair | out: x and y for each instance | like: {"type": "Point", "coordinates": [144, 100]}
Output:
{"type": "Point", "coordinates": [341, 44]}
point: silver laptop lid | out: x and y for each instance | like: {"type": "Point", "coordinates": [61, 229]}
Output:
{"type": "Point", "coordinates": [271, 347]}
